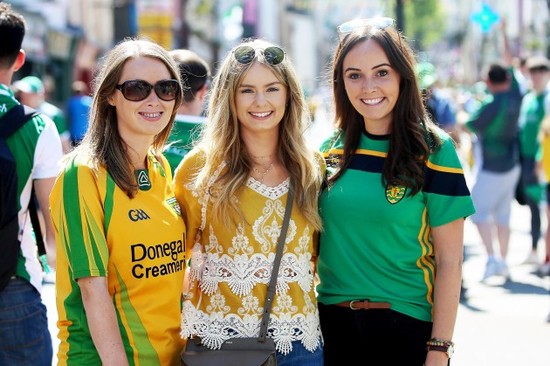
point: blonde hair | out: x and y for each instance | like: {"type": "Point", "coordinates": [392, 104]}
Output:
{"type": "Point", "coordinates": [221, 140]}
{"type": "Point", "coordinates": [102, 144]}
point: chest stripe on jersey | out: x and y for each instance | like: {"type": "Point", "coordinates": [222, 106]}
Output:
{"type": "Point", "coordinates": [442, 180]}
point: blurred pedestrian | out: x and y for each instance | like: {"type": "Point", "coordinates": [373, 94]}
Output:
{"type": "Point", "coordinates": [233, 187]}
{"type": "Point", "coordinates": [530, 119]}
{"type": "Point", "coordinates": [78, 111]}
{"type": "Point", "coordinates": [439, 104]}
{"type": "Point", "coordinates": [30, 91]}
{"type": "Point", "coordinates": [195, 78]}
{"type": "Point", "coordinates": [119, 229]}
{"type": "Point", "coordinates": [544, 269]}
{"type": "Point", "coordinates": [393, 212]}
{"type": "Point", "coordinates": [36, 149]}
{"type": "Point", "coordinates": [495, 125]}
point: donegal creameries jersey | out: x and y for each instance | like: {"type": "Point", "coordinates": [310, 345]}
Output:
{"type": "Point", "coordinates": [138, 244]}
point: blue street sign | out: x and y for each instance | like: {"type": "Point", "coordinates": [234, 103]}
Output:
{"type": "Point", "coordinates": [486, 18]}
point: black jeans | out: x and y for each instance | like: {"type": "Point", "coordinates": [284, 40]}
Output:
{"type": "Point", "coordinates": [368, 335]}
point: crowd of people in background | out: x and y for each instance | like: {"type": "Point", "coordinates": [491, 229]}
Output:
{"type": "Point", "coordinates": [204, 161]}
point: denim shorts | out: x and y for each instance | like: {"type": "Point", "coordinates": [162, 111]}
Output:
{"type": "Point", "coordinates": [24, 335]}
{"type": "Point", "coordinates": [299, 356]}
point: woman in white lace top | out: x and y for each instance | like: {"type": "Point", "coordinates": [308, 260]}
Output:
{"type": "Point", "coordinates": [233, 188]}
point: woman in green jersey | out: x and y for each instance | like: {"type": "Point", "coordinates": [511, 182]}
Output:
{"type": "Point", "coordinates": [120, 235]}
{"type": "Point", "coordinates": [393, 212]}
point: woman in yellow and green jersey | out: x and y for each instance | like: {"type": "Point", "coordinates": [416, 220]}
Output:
{"type": "Point", "coordinates": [120, 234]}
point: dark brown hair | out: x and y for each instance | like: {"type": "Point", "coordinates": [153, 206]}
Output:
{"type": "Point", "coordinates": [12, 32]}
{"type": "Point", "coordinates": [413, 134]}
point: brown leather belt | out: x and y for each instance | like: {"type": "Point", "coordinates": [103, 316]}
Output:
{"type": "Point", "coordinates": [364, 305]}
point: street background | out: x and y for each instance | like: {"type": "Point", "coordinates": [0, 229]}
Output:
{"type": "Point", "coordinates": [500, 324]}
{"type": "Point", "coordinates": [504, 324]}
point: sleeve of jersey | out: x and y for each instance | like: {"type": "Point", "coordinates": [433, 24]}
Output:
{"type": "Point", "coordinates": [78, 215]}
{"type": "Point", "coordinates": [321, 165]}
{"type": "Point", "coordinates": [447, 195]}
{"type": "Point", "coordinates": [48, 152]}
{"type": "Point", "coordinates": [329, 143]}
{"type": "Point", "coordinates": [187, 197]}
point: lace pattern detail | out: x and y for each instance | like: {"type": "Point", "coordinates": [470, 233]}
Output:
{"type": "Point", "coordinates": [269, 192]}
{"type": "Point", "coordinates": [229, 274]}
{"type": "Point", "coordinates": [217, 325]}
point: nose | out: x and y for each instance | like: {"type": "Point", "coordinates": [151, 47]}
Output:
{"type": "Point", "coordinates": [153, 98]}
{"type": "Point", "coordinates": [369, 84]}
{"type": "Point", "coordinates": [260, 98]}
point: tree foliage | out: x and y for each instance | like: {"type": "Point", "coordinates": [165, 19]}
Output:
{"type": "Point", "coordinates": [424, 22]}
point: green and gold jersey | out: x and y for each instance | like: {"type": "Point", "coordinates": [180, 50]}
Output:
{"type": "Point", "coordinates": [376, 241]}
{"type": "Point", "coordinates": [138, 244]}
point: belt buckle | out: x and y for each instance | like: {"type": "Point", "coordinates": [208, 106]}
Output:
{"type": "Point", "coordinates": [354, 301]}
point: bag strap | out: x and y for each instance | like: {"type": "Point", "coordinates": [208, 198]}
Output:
{"type": "Point", "coordinates": [276, 264]}
{"type": "Point", "coordinates": [36, 225]}
{"type": "Point", "coordinates": [11, 121]}
{"type": "Point", "coordinates": [17, 117]}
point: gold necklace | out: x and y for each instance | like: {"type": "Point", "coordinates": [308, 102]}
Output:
{"type": "Point", "coordinates": [261, 157]}
{"type": "Point", "coordinates": [262, 174]}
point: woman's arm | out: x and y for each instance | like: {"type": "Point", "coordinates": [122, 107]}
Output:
{"type": "Point", "coordinates": [448, 243]}
{"type": "Point", "coordinates": [102, 320]}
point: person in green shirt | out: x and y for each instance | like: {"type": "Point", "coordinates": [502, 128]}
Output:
{"type": "Point", "coordinates": [195, 76]}
{"type": "Point", "coordinates": [30, 91]}
{"type": "Point", "coordinates": [531, 114]}
{"type": "Point", "coordinates": [393, 210]}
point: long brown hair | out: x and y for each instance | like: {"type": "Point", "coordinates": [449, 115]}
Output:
{"type": "Point", "coordinates": [413, 134]}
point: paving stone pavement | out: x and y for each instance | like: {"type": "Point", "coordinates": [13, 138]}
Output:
{"type": "Point", "coordinates": [503, 323]}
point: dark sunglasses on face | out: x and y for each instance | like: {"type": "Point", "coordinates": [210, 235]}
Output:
{"type": "Point", "coordinates": [245, 54]}
{"type": "Point", "coordinates": [137, 90]}
{"type": "Point", "coordinates": [348, 27]}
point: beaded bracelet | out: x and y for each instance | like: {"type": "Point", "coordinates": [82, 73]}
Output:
{"type": "Point", "coordinates": [440, 343]}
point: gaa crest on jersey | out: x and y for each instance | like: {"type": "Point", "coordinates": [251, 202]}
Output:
{"type": "Point", "coordinates": [143, 181]}
{"type": "Point", "coordinates": [173, 202]}
{"type": "Point", "coordinates": [395, 194]}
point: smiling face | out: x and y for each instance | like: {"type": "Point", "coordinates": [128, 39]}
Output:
{"type": "Point", "coordinates": [139, 121]}
{"type": "Point", "coordinates": [260, 100]}
{"type": "Point", "coordinates": [372, 85]}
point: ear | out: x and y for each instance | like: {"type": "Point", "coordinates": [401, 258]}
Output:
{"type": "Point", "coordinates": [111, 100]}
{"type": "Point", "coordinates": [202, 92]}
{"type": "Point", "coordinates": [19, 61]}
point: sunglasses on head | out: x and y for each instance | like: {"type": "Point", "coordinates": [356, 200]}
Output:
{"type": "Point", "coordinates": [348, 27]}
{"type": "Point", "coordinates": [245, 54]}
{"type": "Point", "coordinates": [137, 90]}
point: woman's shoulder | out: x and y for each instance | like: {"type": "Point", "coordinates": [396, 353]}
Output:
{"type": "Point", "coordinates": [331, 141]}
{"type": "Point", "coordinates": [444, 138]}
{"type": "Point", "coordinates": [80, 170]}
{"type": "Point", "coordinates": [194, 158]}
{"type": "Point", "coordinates": [445, 152]}
{"type": "Point", "coordinates": [76, 161]}
{"type": "Point", "coordinates": [191, 163]}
